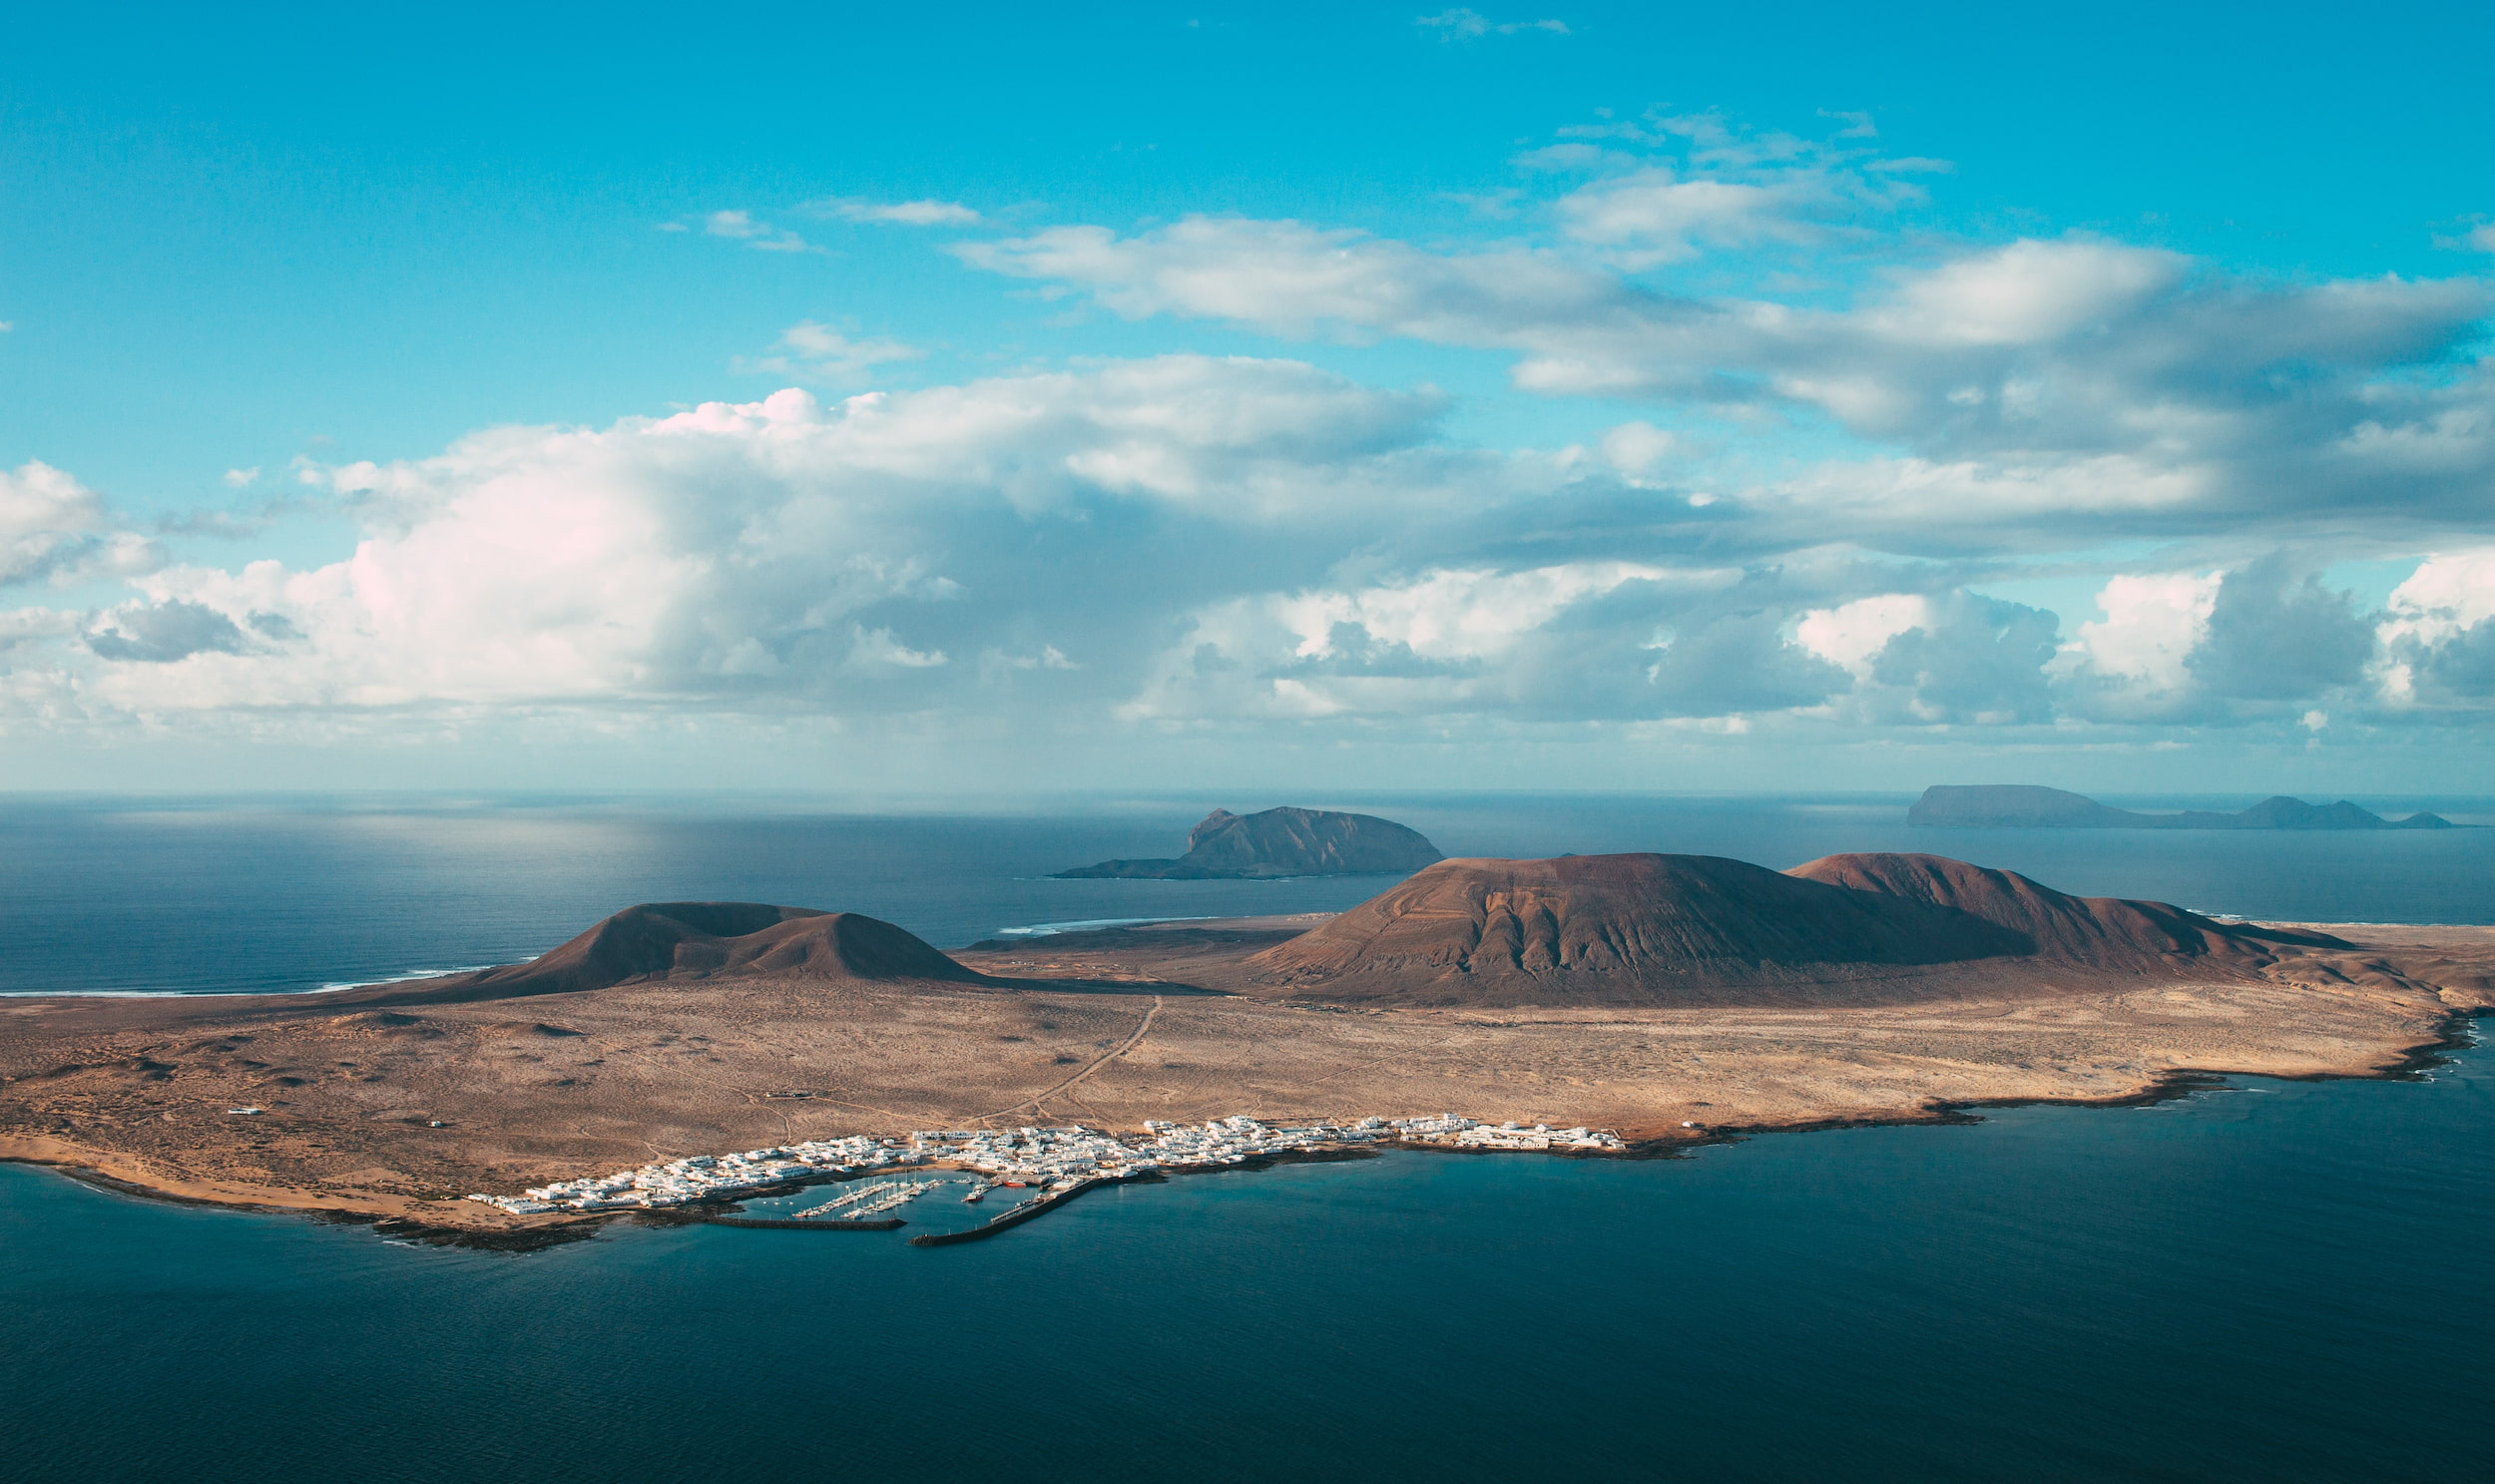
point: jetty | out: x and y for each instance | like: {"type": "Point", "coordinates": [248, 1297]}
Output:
{"type": "Point", "coordinates": [1017, 1215]}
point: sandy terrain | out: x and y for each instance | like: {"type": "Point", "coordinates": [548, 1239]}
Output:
{"type": "Point", "coordinates": [558, 1085]}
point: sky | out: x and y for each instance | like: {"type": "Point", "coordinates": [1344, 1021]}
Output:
{"type": "Point", "coordinates": [1281, 397]}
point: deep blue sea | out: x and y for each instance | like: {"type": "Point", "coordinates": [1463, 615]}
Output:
{"type": "Point", "coordinates": [2269, 1281]}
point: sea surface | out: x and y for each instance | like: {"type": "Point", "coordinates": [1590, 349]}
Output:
{"type": "Point", "coordinates": [226, 896]}
{"type": "Point", "coordinates": [2271, 1281]}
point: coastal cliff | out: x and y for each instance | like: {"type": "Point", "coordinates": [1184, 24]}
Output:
{"type": "Point", "coordinates": [2028, 807]}
{"type": "Point", "coordinates": [1280, 843]}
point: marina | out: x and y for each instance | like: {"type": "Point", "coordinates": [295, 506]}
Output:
{"type": "Point", "coordinates": [1055, 1163]}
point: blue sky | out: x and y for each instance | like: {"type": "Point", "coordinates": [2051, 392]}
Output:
{"type": "Point", "coordinates": [1591, 396]}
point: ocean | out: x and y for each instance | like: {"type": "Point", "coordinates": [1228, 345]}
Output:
{"type": "Point", "coordinates": [2271, 1281]}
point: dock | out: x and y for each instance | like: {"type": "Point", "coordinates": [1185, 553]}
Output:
{"type": "Point", "coordinates": [1019, 1214]}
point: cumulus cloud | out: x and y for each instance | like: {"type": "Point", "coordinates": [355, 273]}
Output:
{"type": "Point", "coordinates": [2437, 634]}
{"type": "Point", "coordinates": [52, 527]}
{"type": "Point", "coordinates": [2279, 635]}
{"type": "Point", "coordinates": [782, 554]}
{"type": "Point", "coordinates": [1592, 640]}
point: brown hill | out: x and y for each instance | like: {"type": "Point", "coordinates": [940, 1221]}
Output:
{"type": "Point", "coordinates": [1620, 929]}
{"type": "Point", "coordinates": [705, 940]}
{"type": "Point", "coordinates": [2102, 932]}
{"type": "Point", "coordinates": [1697, 929]}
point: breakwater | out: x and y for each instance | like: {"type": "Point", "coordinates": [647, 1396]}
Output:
{"type": "Point", "coordinates": [1019, 1214]}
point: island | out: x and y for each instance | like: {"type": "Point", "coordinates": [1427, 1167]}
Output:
{"type": "Point", "coordinates": [2029, 806]}
{"type": "Point", "coordinates": [1278, 842]}
{"type": "Point", "coordinates": [681, 1057]}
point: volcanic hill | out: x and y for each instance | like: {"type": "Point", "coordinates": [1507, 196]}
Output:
{"type": "Point", "coordinates": [691, 941]}
{"type": "Point", "coordinates": [1280, 843]}
{"type": "Point", "coordinates": [1647, 929]}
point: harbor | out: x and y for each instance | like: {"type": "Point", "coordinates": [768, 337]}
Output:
{"type": "Point", "coordinates": [1037, 1168]}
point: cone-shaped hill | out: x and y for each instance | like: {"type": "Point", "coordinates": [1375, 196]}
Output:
{"type": "Point", "coordinates": [1697, 929]}
{"type": "Point", "coordinates": [2102, 932]}
{"type": "Point", "coordinates": [709, 941]}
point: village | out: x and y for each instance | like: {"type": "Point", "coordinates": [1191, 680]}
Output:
{"type": "Point", "coordinates": [1050, 1159]}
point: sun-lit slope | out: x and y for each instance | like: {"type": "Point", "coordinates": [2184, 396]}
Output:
{"type": "Point", "coordinates": [1617, 929]}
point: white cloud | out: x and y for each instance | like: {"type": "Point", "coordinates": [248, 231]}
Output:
{"type": "Point", "coordinates": [238, 478]}
{"type": "Point", "coordinates": [2449, 592]}
{"type": "Point", "coordinates": [876, 648]}
{"type": "Point", "coordinates": [1466, 25]}
{"type": "Point", "coordinates": [740, 226]}
{"type": "Point", "coordinates": [1853, 634]}
{"type": "Point", "coordinates": [1635, 448]}
{"type": "Point", "coordinates": [51, 526]}
{"type": "Point", "coordinates": [2026, 293]}
{"type": "Point", "coordinates": [783, 555]}
{"type": "Point", "coordinates": [2070, 377]}
{"type": "Point", "coordinates": [927, 212]}
{"type": "Point", "coordinates": [817, 353]}
{"type": "Point", "coordinates": [1659, 218]}
{"type": "Point", "coordinates": [2151, 626]}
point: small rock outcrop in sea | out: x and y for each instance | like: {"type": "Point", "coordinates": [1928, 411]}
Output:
{"type": "Point", "coordinates": [2028, 807]}
{"type": "Point", "coordinates": [1280, 843]}
{"type": "Point", "coordinates": [662, 941]}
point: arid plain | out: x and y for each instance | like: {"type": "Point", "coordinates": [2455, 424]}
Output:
{"type": "Point", "coordinates": [392, 1101]}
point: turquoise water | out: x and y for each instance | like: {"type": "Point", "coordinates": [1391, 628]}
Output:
{"type": "Point", "coordinates": [2282, 1283]}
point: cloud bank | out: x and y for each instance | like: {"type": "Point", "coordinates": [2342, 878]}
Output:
{"type": "Point", "coordinates": [1821, 508]}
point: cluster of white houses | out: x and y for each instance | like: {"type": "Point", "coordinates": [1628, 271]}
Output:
{"type": "Point", "coordinates": [1026, 1156]}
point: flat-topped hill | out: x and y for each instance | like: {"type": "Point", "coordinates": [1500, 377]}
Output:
{"type": "Point", "coordinates": [1280, 843]}
{"type": "Point", "coordinates": [707, 940]}
{"type": "Point", "coordinates": [2030, 806]}
{"type": "Point", "coordinates": [1696, 929]}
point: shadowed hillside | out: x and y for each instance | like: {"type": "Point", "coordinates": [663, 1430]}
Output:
{"type": "Point", "coordinates": [707, 940]}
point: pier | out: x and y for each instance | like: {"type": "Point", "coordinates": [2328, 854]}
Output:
{"type": "Point", "coordinates": [1020, 1213]}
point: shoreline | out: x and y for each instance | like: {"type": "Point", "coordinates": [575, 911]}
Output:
{"type": "Point", "coordinates": [71, 1161]}
{"type": "Point", "coordinates": [362, 1107]}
